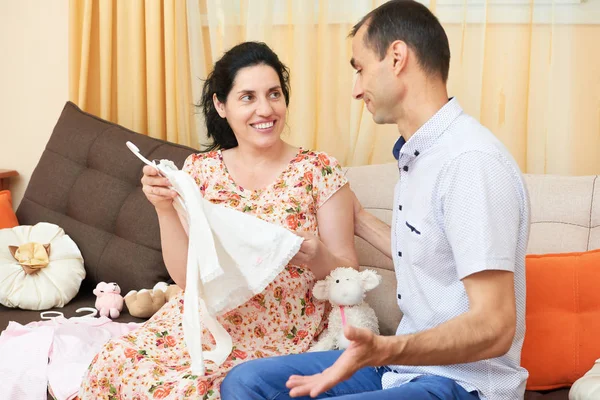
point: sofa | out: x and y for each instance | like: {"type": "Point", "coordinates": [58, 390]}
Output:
{"type": "Point", "coordinates": [88, 183]}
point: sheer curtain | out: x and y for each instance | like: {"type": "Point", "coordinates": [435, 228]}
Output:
{"type": "Point", "coordinates": [527, 69]}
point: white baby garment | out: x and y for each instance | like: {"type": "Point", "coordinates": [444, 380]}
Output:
{"type": "Point", "coordinates": [24, 362]}
{"type": "Point", "coordinates": [52, 353]}
{"type": "Point", "coordinates": [588, 386]}
{"type": "Point", "coordinates": [232, 256]}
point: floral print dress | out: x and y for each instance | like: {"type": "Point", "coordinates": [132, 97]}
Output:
{"type": "Point", "coordinates": [153, 363]}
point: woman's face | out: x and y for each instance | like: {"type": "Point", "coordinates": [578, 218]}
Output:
{"type": "Point", "coordinates": [255, 107]}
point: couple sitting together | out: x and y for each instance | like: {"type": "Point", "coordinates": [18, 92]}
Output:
{"type": "Point", "coordinates": [458, 238]}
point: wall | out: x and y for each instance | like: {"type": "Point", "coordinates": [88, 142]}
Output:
{"type": "Point", "coordinates": [33, 81]}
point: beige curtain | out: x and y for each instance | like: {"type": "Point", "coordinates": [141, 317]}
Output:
{"type": "Point", "coordinates": [129, 63]}
{"type": "Point", "coordinates": [527, 69]}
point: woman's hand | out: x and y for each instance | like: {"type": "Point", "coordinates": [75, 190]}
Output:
{"type": "Point", "coordinates": [156, 189]}
{"type": "Point", "coordinates": [311, 250]}
{"type": "Point", "coordinates": [317, 257]}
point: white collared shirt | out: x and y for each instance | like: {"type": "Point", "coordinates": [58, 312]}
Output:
{"type": "Point", "coordinates": [460, 207]}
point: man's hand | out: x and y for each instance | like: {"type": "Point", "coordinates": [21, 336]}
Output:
{"type": "Point", "coordinates": [365, 349]}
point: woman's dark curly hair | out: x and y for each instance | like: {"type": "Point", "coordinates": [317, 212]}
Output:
{"type": "Point", "coordinates": [220, 81]}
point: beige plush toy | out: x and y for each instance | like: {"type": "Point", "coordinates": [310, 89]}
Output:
{"type": "Point", "coordinates": [145, 303]}
{"type": "Point", "coordinates": [346, 288]}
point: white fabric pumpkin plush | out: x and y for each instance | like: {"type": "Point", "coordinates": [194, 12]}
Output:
{"type": "Point", "coordinates": [40, 267]}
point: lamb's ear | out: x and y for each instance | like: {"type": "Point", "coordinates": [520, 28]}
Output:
{"type": "Point", "coordinates": [321, 290]}
{"type": "Point", "coordinates": [370, 279]}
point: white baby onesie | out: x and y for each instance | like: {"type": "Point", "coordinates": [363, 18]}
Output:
{"type": "Point", "coordinates": [54, 353]}
{"type": "Point", "coordinates": [232, 256]}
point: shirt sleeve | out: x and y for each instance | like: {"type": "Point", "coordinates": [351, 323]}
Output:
{"type": "Point", "coordinates": [194, 166]}
{"type": "Point", "coordinates": [328, 178]}
{"type": "Point", "coordinates": [481, 210]}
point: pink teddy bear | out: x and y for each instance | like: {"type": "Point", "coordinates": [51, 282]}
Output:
{"type": "Point", "coordinates": [109, 300]}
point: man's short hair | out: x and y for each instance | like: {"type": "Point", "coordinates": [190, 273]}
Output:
{"type": "Point", "coordinates": [414, 24]}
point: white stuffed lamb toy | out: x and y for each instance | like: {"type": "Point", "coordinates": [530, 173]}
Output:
{"type": "Point", "coordinates": [345, 288]}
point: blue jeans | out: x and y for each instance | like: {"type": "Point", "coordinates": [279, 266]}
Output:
{"type": "Point", "coordinates": [265, 378]}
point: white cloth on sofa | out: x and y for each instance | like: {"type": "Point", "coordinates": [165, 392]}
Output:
{"type": "Point", "coordinates": [54, 353]}
{"type": "Point", "coordinates": [588, 386]}
{"type": "Point", "coordinates": [24, 362]}
{"type": "Point", "coordinates": [232, 256]}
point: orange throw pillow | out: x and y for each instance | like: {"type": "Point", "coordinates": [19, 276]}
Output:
{"type": "Point", "coordinates": [562, 340]}
{"type": "Point", "coordinates": [8, 219]}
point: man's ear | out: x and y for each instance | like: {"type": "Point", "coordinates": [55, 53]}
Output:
{"type": "Point", "coordinates": [370, 279]}
{"type": "Point", "coordinates": [321, 290]}
{"type": "Point", "coordinates": [219, 106]}
{"type": "Point", "coordinates": [398, 51]}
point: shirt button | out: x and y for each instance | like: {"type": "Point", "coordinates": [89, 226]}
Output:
{"type": "Point", "coordinates": [399, 254]}
{"type": "Point", "coordinates": [399, 296]}
{"type": "Point", "coordinates": [405, 168]}
{"type": "Point", "coordinates": [417, 153]}
{"type": "Point", "coordinates": [400, 207]}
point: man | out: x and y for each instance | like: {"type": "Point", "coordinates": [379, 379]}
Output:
{"type": "Point", "coordinates": [458, 240]}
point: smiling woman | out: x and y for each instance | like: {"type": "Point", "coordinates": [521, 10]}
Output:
{"type": "Point", "coordinates": [255, 109]}
{"type": "Point", "coordinates": [249, 168]}
{"type": "Point", "coordinates": [248, 87]}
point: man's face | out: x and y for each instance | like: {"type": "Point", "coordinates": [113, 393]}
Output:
{"type": "Point", "coordinates": [375, 83]}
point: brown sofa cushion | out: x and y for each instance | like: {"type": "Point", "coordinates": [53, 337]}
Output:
{"type": "Point", "coordinates": [560, 394]}
{"type": "Point", "coordinates": [88, 183]}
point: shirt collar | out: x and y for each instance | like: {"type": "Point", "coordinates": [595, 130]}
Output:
{"type": "Point", "coordinates": [398, 146]}
{"type": "Point", "coordinates": [431, 130]}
